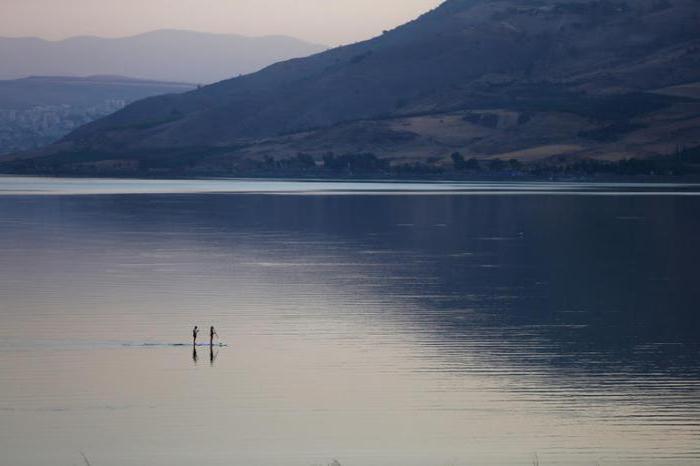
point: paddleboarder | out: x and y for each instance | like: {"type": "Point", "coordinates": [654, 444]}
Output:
{"type": "Point", "coordinates": [195, 332]}
{"type": "Point", "coordinates": [212, 334]}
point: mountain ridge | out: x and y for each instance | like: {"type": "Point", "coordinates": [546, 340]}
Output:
{"type": "Point", "coordinates": [149, 55]}
{"type": "Point", "coordinates": [152, 33]}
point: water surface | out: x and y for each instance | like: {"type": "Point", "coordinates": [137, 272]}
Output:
{"type": "Point", "coordinates": [379, 324]}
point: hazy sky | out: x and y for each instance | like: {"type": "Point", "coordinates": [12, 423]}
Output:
{"type": "Point", "coordinates": [330, 22]}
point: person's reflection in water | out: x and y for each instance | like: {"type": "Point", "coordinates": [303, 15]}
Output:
{"type": "Point", "coordinates": [212, 355]}
{"type": "Point", "coordinates": [194, 354]}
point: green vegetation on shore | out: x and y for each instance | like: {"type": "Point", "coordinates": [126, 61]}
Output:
{"type": "Point", "coordinates": [684, 163]}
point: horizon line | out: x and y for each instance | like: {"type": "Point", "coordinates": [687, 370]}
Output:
{"type": "Point", "coordinates": [162, 30]}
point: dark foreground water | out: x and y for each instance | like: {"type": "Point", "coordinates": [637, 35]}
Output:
{"type": "Point", "coordinates": [430, 326]}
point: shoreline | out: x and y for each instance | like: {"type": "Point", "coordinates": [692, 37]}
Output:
{"type": "Point", "coordinates": [451, 177]}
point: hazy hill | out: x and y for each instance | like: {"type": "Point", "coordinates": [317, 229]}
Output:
{"type": "Point", "coordinates": [37, 111]}
{"type": "Point", "coordinates": [515, 79]}
{"type": "Point", "coordinates": [166, 55]}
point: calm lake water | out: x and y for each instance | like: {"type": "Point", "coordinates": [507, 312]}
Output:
{"type": "Point", "coordinates": [399, 324]}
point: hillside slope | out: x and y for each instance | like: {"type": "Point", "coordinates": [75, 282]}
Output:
{"type": "Point", "coordinates": [523, 79]}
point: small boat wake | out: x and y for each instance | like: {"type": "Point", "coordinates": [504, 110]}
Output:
{"type": "Point", "coordinates": [172, 345]}
{"type": "Point", "coordinates": [92, 345]}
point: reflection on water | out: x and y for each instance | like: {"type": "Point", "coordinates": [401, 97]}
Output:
{"type": "Point", "coordinates": [392, 329]}
{"type": "Point", "coordinates": [212, 355]}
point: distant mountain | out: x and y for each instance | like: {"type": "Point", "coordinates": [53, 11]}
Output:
{"type": "Point", "coordinates": [166, 55]}
{"type": "Point", "coordinates": [531, 80]}
{"type": "Point", "coordinates": [38, 111]}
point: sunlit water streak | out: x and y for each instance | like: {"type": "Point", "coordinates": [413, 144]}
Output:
{"type": "Point", "coordinates": [379, 330]}
{"type": "Point", "coordinates": [22, 186]}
